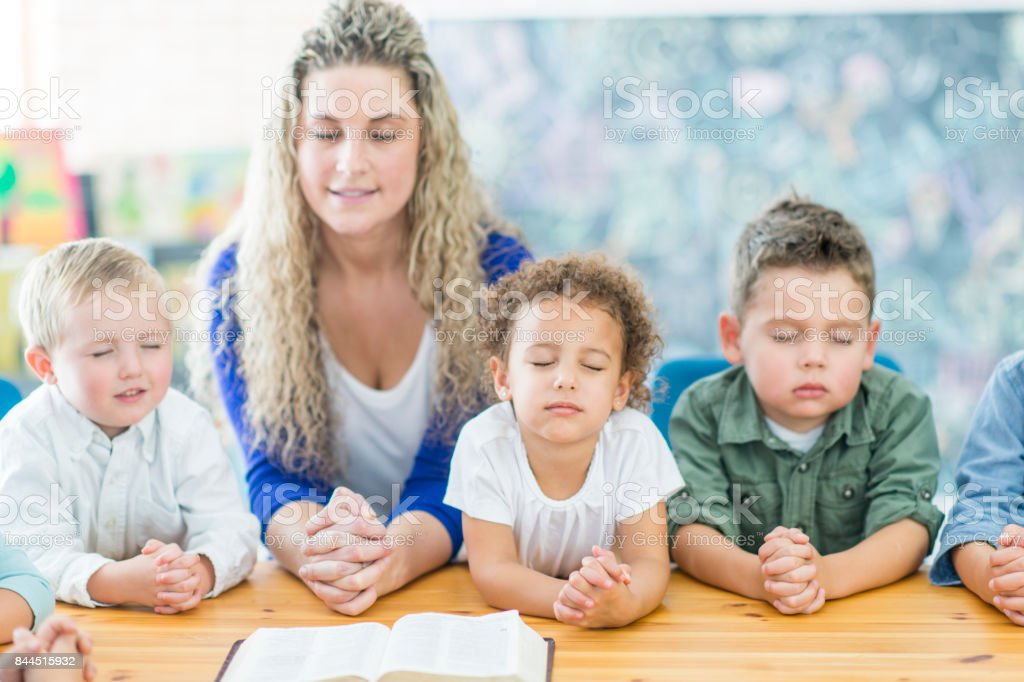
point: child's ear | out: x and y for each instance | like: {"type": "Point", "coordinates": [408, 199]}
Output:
{"type": "Point", "coordinates": [499, 374]}
{"type": "Point", "coordinates": [869, 357]}
{"type": "Point", "coordinates": [622, 390]}
{"type": "Point", "coordinates": [39, 360]}
{"type": "Point", "coordinates": [729, 336]}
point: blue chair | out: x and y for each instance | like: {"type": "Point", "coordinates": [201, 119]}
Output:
{"type": "Point", "coordinates": [675, 376]}
{"type": "Point", "coordinates": [9, 396]}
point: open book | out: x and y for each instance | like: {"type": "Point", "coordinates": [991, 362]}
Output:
{"type": "Point", "coordinates": [433, 647]}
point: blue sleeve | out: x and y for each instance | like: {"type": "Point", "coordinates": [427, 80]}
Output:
{"type": "Point", "coordinates": [990, 474]}
{"type": "Point", "coordinates": [270, 488]}
{"type": "Point", "coordinates": [19, 575]}
{"type": "Point", "coordinates": [502, 255]}
{"type": "Point", "coordinates": [425, 488]}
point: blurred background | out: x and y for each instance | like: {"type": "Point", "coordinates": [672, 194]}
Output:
{"type": "Point", "coordinates": [133, 120]}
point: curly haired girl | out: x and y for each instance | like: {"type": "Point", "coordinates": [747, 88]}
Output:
{"type": "Point", "coordinates": [562, 484]}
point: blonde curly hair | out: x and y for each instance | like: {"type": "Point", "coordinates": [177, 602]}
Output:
{"type": "Point", "coordinates": [278, 243]}
{"type": "Point", "coordinates": [608, 287]}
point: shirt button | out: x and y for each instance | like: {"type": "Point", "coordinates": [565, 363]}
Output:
{"type": "Point", "coordinates": [925, 494]}
{"type": "Point", "coordinates": [848, 493]}
{"type": "Point", "coordinates": [803, 467]}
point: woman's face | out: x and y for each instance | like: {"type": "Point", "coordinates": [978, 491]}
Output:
{"type": "Point", "coordinates": [358, 143]}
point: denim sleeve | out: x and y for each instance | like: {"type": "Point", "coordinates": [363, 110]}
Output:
{"type": "Point", "coordinates": [990, 473]}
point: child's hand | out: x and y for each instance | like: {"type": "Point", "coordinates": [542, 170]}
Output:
{"type": "Point", "coordinates": [135, 580]}
{"type": "Point", "coordinates": [182, 578]}
{"type": "Point", "coordinates": [1007, 565]}
{"type": "Point", "coordinates": [598, 594]}
{"type": "Point", "coordinates": [790, 564]}
{"type": "Point", "coordinates": [57, 635]}
{"type": "Point", "coordinates": [130, 581]}
{"type": "Point", "coordinates": [1012, 535]}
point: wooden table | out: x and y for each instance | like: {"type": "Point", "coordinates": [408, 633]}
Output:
{"type": "Point", "coordinates": [907, 631]}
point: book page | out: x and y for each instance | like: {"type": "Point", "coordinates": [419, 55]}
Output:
{"type": "Point", "coordinates": [325, 653]}
{"type": "Point", "coordinates": [442, 644]}
{"type": "Point", "coordinates": [532, 655]}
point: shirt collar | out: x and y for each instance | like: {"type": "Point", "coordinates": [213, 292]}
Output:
{"type": "Point", "coordinates": [77, 431]}
{"type": "Point", "coordinates": [743, 422]}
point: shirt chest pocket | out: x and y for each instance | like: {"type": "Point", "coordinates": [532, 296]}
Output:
{"type": "Point", "coordinates": [154, 520]}
{"type": "Point", "coordinates": [758, 508]}
{"type": "Point", "coordinates": [841, 508]}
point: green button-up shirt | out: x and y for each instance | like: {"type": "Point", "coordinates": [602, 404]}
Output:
{"type": "Point", "coordinates": [876, 462]}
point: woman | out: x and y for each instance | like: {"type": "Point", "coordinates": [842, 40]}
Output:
{"type": "Point", "coordinates": [342, 354]}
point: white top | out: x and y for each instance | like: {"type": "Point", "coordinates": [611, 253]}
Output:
{"type": "Point", "coordinates": [378, 432]}
{"type": "Point", "coordinates": [800, 442]}
{"type": "Point", "coordinates": [87, 500]}
{"type": "Point", "coordinates": [631, 471]}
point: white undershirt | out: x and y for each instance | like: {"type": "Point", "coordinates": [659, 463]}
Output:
{"type": "Point", "coordinates": [800, 442]}
{"type": "Point", "coordinates": [378, 432]}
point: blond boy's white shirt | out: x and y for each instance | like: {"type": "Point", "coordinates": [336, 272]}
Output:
{"type": "Point", "coordinates": [83, 500]}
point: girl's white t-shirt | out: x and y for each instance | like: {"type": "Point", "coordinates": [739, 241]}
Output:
{"type": "Point", "coordinates": [378, 432]}
{"type": "Point", "coordinates": [632, 469]}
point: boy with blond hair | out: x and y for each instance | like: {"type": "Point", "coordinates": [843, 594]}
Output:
{"type": "Point", "coordinates": [124, 493]}
{"type": "Point", "coordinates": [809, 470]}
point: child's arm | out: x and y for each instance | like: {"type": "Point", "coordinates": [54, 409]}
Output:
{"type": "Point", "coordinates": [131, 581]}
{"type": "Point", "coordinates": [643, 540]}
{"type": "Point", "coordinates": [14, 613]}
{"type": "Point", "coordinates": [220, 527]}
{"type": "Point", "coordinates": [60, 554]}
{"type": "Point", "coordinates": [702, 521]}
{"type": "Point", "coordinates": [900, 521]}
{"type": "Point", "coordinates": [973, 564]}
{"type": "Point", "coordinates": [138, 581]}
{"type": "Point", "coordinates": [989, 485]}
{"type": "Point", "coordinates": [712, 558]}
{"type": "Point", "coordinates": [25, 597]}
{"type": "Point", "coordinates": [503, 582]}
{"type": "Point", "coordinates": [882, 558]}
{"type": "Point", "coordinates": [28, 471]}
{"type": "Point", "coordinates": [879, 559]}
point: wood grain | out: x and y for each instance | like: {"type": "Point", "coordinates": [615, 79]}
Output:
{"type": "Point", "coordinates": [908, 631]}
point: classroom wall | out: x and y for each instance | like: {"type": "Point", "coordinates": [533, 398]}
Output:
{"type": "Point", "coordinates": [852, 114]}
